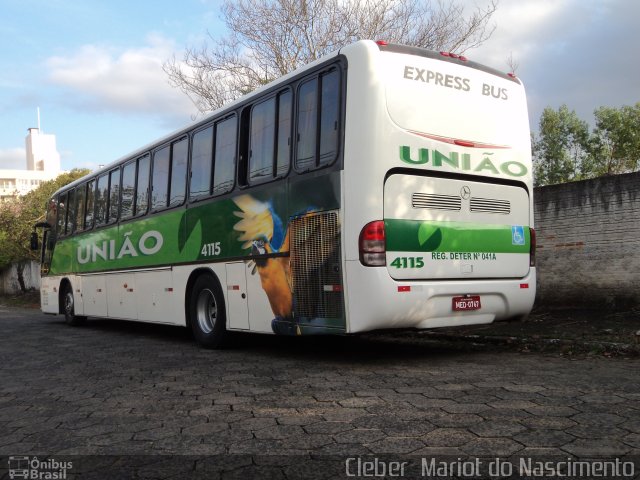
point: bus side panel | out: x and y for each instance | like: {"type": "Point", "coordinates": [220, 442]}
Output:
{"type": "Point", "coordinates": [121, 296]}
{"type": "Point", "coordinates": [49, 294]}
{"type": "Point", "coordinates": [156, 300]}
{"type": "Point", "coordinates": [236, 292]}
{"type": "Point", "coordinates": [78, 297]}
{"type": "Point", "coordinates": [95, 294]}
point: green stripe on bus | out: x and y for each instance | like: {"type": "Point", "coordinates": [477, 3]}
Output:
{"type": "Point", "coordinates": [434, 236]}
{"type": "Point", "coordinates": [217, 230]}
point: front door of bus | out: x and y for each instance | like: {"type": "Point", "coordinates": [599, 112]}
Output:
{"type": "Point", "coordinates": [237, 306]}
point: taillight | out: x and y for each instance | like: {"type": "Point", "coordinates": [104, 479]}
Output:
{"type": "Point", "coordinates": [532, 249]}
{"type": "Point", "coordinates": [372, 245]}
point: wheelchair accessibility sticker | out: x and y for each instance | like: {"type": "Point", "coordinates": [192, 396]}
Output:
{"type": "Point", "coordinates": [517, 235]}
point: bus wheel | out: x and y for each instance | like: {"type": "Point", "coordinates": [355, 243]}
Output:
{"type": "Point", "coordinates": [68, 307]}
{"type": "Point", "coordinates": [207, 313]}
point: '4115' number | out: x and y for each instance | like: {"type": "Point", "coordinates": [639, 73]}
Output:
{"type": "Point", "coordinates": [408, 262]}
{"type": "Point", "coordinates": [210, 249]}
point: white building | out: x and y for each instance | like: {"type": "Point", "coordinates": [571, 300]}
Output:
{"type": "Point", "coordinates": [43, 163]}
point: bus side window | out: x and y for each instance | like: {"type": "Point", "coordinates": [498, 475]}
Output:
{"type": "Point", "coordinates": [262, 141]}
{"type": "Point", "coordinates": [81, 192]}
{"type": "Point", "coordinates": [178, 186]}
{"type": "Point", "coordinates": [128, 190]}
{"type": "Point", "coordinates": [318, 120]}
{"type": "Point", "coordinates": [52, 211]}
{"type": "Point", "coordinates": [270, 138]}
{"type": "Point", "coordinates": [142, 186]}
{"type": "Point", "coordinates": [224, 156]}
{"type": "Point", "coordinates": [114, 195]}
{"type": "Point", "coordinates": [71, 212]}
{"type": "Point", "coordinates": [160, 179]}
{"type": "Point", "coordinates": [283, 147]}
{"type": "Point", "coordinates": [329, 108]}
{"type": "Point", "coordinates": [62, 213]}
{"type": "Point", "coordinates": [102, 197]}
{"type": "Point", "coordinates": [201, 163]}
{"type": "Point", "coordinates": [307, 121]}
{"type": "Point", "coordinates": [88, 218]}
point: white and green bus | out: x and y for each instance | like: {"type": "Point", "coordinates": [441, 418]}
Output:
{"type": "Point", "coordinates": [383, 186]}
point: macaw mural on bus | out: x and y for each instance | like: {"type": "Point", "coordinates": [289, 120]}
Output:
{"type": "Point", "coordinates": [261, 229]}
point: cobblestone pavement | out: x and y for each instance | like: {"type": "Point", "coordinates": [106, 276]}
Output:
{"type": "Point", "coordinates": [119, 388]}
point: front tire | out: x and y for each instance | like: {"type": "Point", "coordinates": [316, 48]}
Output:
{"type": "Point", "coordinates": [68, 307]}
{"type": "Point", "coordinates": [207, 313]}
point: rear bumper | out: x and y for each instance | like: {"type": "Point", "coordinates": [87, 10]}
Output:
{"type": "Point", "coordinates": [375, 301]}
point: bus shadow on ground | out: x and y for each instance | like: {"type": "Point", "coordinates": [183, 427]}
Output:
{"type": "Point", "coordinates": [141, 329]}
{"type": "Point", "coordinates": [374, 346]}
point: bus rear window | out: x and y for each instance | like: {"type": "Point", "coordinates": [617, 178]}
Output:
{"type": "Point", "coordinates": [443, 99]}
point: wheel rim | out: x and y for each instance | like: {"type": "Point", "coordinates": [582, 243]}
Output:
{"type": "Point", "coordinates": [206, 310]}
{"type": "Point", "coordinates": [68, 303]}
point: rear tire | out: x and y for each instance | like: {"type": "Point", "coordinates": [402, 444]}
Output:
{"type": "Point", "coordinates": [68, 307]}
{"type": "Point", "coordinates": [207, 313]}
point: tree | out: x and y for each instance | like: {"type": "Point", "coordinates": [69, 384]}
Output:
{"type": "Point", "coordinates": [561, 152]}
{"type": "Point", "coordinates": [616, 140]}
{"type": "Point", "coordinates": [19, 215]}
{"type": "Point", "coordinates": [565, 150]}
{"type": "Point", "coordinates": [269, 38]}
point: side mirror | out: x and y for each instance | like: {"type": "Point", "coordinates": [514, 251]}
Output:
{"type": "Point", "coordinates": [35, 245]}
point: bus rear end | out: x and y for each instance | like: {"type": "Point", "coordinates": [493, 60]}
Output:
{"type": "Point", "coordinates": [447, 236]}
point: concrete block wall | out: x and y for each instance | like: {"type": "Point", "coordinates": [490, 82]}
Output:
{"type": "Point", "coordinates": [9, 284]}
{"type": "Point", "coordinates": [588, 236]}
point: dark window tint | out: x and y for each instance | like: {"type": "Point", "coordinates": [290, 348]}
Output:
{"type": "Point", "coordinates": [329, 108]}
{"type": "Point", "coordinates": [224, 157]}
{"type": "Point", "coordinates": [114, 195]}
{"type": "Point", "coordinates": [283, 147]}
{"type": "Point", "coordinates": [307, 121]}
{"type": "Point", "coordinates": [142, 185]}
{"type": "Point", "coordinates": [160, 179]}
{"type": "Point", "coordinates": [263, 128]}
{"type": "Point", "coordinates": [128, 190]}
{"type": "Point", "coordinates": [201, 163]}
{"type": "Point", "coordinates": [80, 198]}
{"type": "Point", "coordinates": [318, 120]}
{"type": "Point", "coordinates": [62, 213]}
{"type": "Point", "coordinates": [71, 211]}
{"type": "Point", "coordinates": [102, 197]}
{"type": "Point", "coordinates": [179, 155]}
{"type": "Point", "coordinates": [88, 218]}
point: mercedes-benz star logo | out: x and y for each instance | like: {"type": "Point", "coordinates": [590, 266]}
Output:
{"type": "Point", "coordinates": [465, 192]}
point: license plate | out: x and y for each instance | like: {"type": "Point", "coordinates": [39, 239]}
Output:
{"type": "Point", "coordinates": [462, 304]}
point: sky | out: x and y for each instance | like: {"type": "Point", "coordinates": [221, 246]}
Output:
{"type": "Point", "coordinates": [94, 67]}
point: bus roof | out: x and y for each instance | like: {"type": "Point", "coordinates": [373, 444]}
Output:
{"type": "Point", "coordinates": [207, 118]}
{"type": "Point", "coordinates": [382, 46]}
